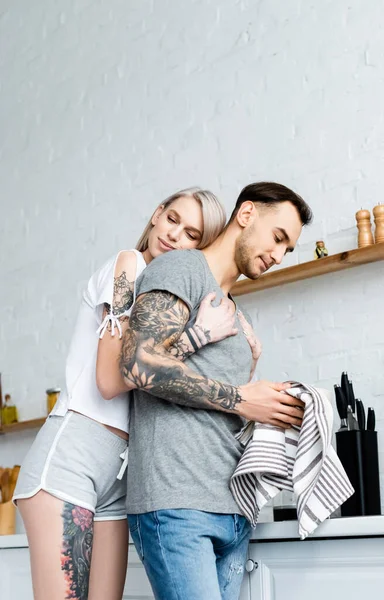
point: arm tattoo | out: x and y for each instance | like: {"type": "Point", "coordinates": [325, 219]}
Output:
{"type": "Point", "coordinates": [122, 294]}
{"type": "Point", "coordinates": [156, 323]}
{"type": "Point", "coordinates": [122, 299]}
{"type": "Point", "coordinates": [180, 349]}
{"type": "Point", "coordinates": [204, 335]}
{"type": "Point", "coordinates": [159, 316]}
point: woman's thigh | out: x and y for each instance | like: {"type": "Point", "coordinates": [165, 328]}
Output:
{"type": "Point", "coordinates": [109, 560]}
{"type": "Point", "coordinates": [60, 537]}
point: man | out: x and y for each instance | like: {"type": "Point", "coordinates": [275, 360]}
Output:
{"type": "Point", "coordinates": [183, 519]}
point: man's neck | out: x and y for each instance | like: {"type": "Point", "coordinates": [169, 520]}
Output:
{"type": "Point", "coordinates": [220, 257]}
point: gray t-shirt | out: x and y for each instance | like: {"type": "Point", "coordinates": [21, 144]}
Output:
{"type": "Point", "coordinates": [181, 457]}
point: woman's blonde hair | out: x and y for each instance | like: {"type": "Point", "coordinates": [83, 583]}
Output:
{"type": "Point", "coordinates": [214, 216]}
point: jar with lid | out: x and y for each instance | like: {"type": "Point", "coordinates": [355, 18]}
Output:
{"type": "Point", "coordinates": [52, 396]}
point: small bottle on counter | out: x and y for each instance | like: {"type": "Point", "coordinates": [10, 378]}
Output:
{"type": "Point", "coordinates": [365, 236]}
{"type": "Point", "coordinates": [52, 396]}
{"type": "Point", "coordinates": [378, 213]}
{"type": "Point", "coordinates": [9, 411]}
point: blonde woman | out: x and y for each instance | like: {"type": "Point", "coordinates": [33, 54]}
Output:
{"type": "Point", "coordinates": [72, 485]}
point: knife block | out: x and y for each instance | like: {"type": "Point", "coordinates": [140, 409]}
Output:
{"type": "Point", "coordinates": [371, 472]}
{"type": "Point", "coordinates": [349, 450]}
{"type": "Point", "coordinates": [358, 454]}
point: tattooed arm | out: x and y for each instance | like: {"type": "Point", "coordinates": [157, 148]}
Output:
{"type": "Point", "coordinates": [157, 321]}
{"type": "Point", "coordinates": [212, 325]}
{"type": "Point", "coordinates": [108, 376]}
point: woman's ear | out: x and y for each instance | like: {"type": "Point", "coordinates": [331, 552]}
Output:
{"type": "Point", "coordinates": [156, 214]}
{"type": "Point", "coordinates": [246, 213]}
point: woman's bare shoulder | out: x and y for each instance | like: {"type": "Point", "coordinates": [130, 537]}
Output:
{"type": "Point", "coordinates": [126, 263]}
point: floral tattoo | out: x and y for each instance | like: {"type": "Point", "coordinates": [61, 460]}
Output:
{"type": "Point", "coordinates": [76, 550]}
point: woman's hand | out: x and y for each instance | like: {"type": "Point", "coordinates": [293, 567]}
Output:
{"type": "Point", "coordinates": [253, 341]}
{"type": "Point", "coordinates": [215, 323]}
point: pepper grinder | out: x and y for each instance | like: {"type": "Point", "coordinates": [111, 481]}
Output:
{"type": "Point", "coordinates": [378, 213]}
{"type": "Point", "coordinates": [365, 236]}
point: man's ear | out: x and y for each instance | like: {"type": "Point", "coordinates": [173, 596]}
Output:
{"type": "Point", "coordinates": [156, 214]}
{"type": "Point", "coordinates": [246, 214]}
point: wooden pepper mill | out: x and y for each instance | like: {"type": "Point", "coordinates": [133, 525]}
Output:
{"type": "Point", "coordinates": [378, 213]}
{"type": "Point", "coordinates": [365, 236]}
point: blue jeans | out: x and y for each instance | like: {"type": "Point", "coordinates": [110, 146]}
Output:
{"type": "Point", "coordinates": [190, 554]}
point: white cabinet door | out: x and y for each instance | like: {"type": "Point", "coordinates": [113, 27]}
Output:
{"type": "Point", "coordinates": [137, 586]}
{"type": "Point", "coordinates": [318, 570]}
{"type": "Point", "coordinates": [15, 574]}
{"type": "Point", "coordinates": [245, 588]}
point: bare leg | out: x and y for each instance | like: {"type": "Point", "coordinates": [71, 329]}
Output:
{"type": "Point", "coordinates": [109, 560]}
{"type": "Point", "coordinates": [60, 537]}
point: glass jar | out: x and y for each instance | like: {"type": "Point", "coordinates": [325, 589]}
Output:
{"type": "Point", "coordinates": [52, 396]}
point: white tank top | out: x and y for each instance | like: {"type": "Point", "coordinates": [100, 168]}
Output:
{"type": "Point", "coordinates": [81, 393]}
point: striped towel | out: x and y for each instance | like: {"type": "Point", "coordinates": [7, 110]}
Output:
{"type": "Point", "coordinates": [301, 460]}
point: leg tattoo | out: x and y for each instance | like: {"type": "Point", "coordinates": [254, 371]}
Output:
{"type": "Point", "coordinates": [76, 550]}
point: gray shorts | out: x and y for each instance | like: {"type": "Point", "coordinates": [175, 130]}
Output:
{"type": "Point", "coordinates": [77, 460]}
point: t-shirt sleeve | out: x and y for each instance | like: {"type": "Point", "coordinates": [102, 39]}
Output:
{"type": "Point", "coordinates": [101, 286]}
{"type": "Point", "coordinates": [103, 282]}
{"type": "Point", "coordinates": [179, 272]}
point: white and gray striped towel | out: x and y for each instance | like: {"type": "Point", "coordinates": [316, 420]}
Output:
{"type": "Point", "coordinates": [301, 460]}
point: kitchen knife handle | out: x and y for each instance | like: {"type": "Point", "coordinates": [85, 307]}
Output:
{"type": "Point", "coordinates": [344, 384]}
{"type": "Point", "coordinates": [360, 411]}
{"type": "Point", "coordinates": [351, 396]}
{"type": "Point", "coordinates": [371, 419]}
{"type": "Point", "coordinates": [341, 402]}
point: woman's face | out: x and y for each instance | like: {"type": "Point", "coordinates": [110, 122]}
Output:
{"type": "Point", "coordinates": [179, 226]}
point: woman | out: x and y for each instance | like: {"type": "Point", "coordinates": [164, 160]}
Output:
{"type": "Point", "coordinates": [71, 488]}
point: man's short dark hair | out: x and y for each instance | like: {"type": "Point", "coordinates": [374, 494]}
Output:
{"type": "Point", "coordinates": [269, 194]}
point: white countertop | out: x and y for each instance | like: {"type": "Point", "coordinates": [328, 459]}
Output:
{"type": "Point", "coordinates": [331, 528]}
{"type": "Point", "coordinates": [19, 540]}
{"type": "Point", "coordinates": [285, 530]}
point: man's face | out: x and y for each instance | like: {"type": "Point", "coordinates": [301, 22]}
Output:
{"type": "Point", "coordinates": [267, 238]}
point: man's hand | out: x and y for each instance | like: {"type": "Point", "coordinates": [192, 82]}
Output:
{"type": "Point", "coordinates": [266, 402]}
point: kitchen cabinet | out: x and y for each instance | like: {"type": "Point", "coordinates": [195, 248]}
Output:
{"type": "Point", "coordinates": [137, 586]}
{"type": "Point", "coordinates": [343, 558]}
{"type": "Point", "coordinates": [317, 569]}
{"type": "Point", "coordinates": [15, 574]}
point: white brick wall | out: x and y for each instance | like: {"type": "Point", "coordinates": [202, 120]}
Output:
{"type": "Point", "coordinates": [108, 106]}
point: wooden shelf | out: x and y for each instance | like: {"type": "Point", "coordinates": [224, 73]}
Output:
{"type": "Point", "coordinates": [32, 424]}
{"type": "Point", "coordinates": [314, 268]}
